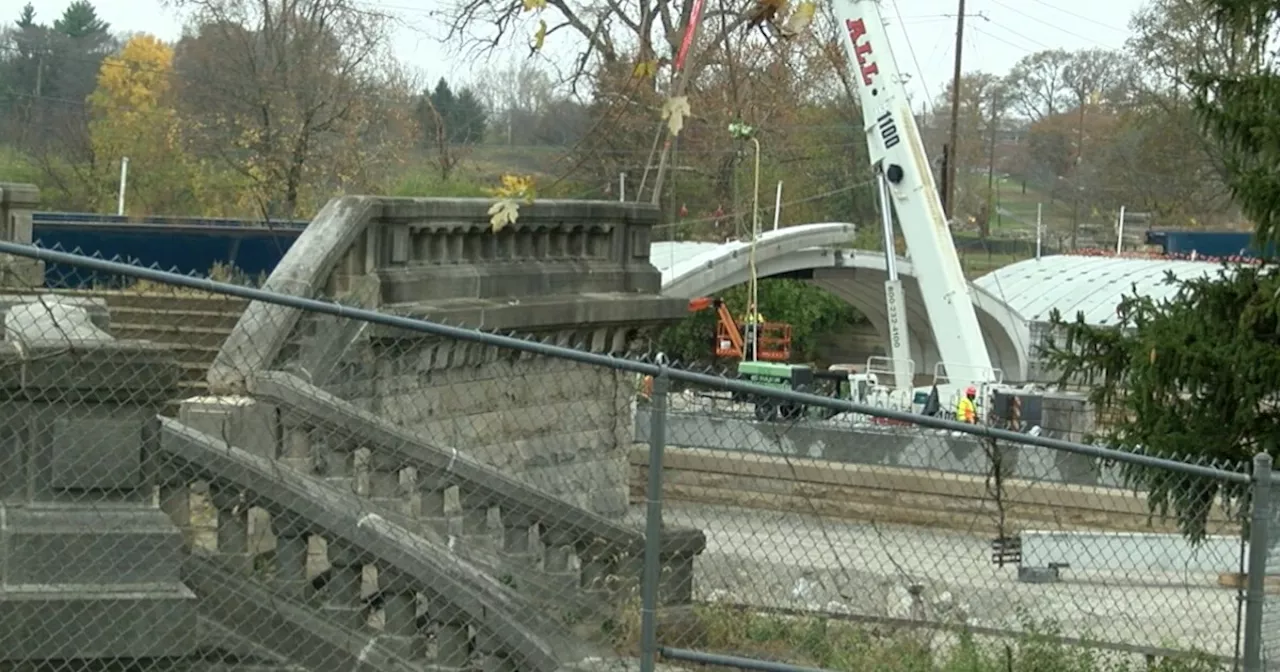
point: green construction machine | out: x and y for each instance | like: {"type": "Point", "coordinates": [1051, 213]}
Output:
{"type": "Point", "coordinates": [794, 377]}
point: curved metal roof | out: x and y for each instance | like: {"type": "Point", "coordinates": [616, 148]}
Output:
{"type": "Point", "coordinates": [1093, 285]}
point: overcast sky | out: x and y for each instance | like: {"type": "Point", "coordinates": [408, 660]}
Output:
{"type": "Point", "coordinates": [997, 32]}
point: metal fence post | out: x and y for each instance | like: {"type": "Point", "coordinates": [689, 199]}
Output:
{"type": "Point", "coordinates": [1255, 596]}
{"type": "Point", "coordinates": [653, 521]}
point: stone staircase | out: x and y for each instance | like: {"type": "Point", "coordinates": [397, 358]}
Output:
{"type": "Point", "coordinates": [302, 532]}
{"type": "Point", "coordinates": [570, 573]}
{"type": "Point", "coordinates": [194, 325]}
{"type": "Point", "coordinates": [301, 529]}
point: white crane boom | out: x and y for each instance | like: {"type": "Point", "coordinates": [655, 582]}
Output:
{"type": "Point", "coordinates": [897, 153]}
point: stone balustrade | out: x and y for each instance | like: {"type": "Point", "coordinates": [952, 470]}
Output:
{"type": "Point", "coordinates": [436, 609]}
{"type": "Point", "coordinates": [563, 265]}
{"type": "Point", "coordinates": [554, 552]}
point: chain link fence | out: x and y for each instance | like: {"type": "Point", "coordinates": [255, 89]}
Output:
{"type": "Point", "coordinates": [202, 473]}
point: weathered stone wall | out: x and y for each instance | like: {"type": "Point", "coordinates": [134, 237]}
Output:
{"type": "Point", "coordinates": [557, 425]}
{"type": "Point", "coordinates": [575, 273]}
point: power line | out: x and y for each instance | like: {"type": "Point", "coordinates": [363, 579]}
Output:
{"type": "Point", "coordinates": [1082, 17]}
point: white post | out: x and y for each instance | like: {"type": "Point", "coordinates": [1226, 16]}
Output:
{"type": "Point", "coordinates": [622, 187]}
{"type": "Point", "coordinates": [124, 179]}
{"type": "Point", "coordinates": [1120, 232]}
{"type": "Point", "coordinates": [777, 206]}
{"type": "Point", "coordinates": [1039, 230]}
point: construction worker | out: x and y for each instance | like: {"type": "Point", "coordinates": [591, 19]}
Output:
{"type": "Point", "coordinates": [966, 410]}
{"type": "Point", "coordinates": [753, 321]}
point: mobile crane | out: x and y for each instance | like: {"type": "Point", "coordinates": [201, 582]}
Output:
{"type": "Point", "coordinates": [906, 185]}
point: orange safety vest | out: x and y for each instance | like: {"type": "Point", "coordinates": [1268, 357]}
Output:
{"type": "Point", "coordinates": [966, 412]}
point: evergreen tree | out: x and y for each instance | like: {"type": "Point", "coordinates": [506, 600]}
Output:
{"type": "Point", "coordinates": [463, 115]}
{"type": "Point", "coordinates": [80, 22]}
{"type": "Point", "coordinates": [470, 119]}
{"type": "Point", "coordinates": [1197, 376]}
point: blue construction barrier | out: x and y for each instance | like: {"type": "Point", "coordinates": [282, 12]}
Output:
{"type": "Point", "coordinates": [1217, 244]}
{"type": "Point", "coordinates": [181, 244]}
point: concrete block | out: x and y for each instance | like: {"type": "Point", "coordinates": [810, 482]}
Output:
{"type": "Point", "coordinates": [242, 421]}
{"type": "Point", "coordinates": [79, 622]}
{"type": "Point", "coordinates": [69, 544]}
{"type": "Point", "coordinates": [17, 201]}
{"type": "Point", "coordinates": [18, 271]}
{"type": "Point", "coordinates": [92, 453]}
{"type": "Point", "coordinates": [94, 307]}
{"type": "Point", "coordinates": [51, 320]}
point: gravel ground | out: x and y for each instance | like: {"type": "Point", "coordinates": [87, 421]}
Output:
{"type": "Point", "coordinates": [805, 562]}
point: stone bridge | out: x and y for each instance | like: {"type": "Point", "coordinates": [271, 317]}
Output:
{"type": "Point", "coordinates": [347, 497]}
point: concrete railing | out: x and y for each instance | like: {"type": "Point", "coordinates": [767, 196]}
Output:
{"type": "Point", "coordinates": [562, 265]}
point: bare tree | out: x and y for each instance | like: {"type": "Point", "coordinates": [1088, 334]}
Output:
{"type": "Point", "coordinates": [1038, 83]}
{"type": "Point", "coordinates": [279, 88]}
{"type": "Point", "coordinates": [618, 39]}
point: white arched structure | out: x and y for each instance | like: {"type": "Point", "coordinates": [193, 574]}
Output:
{"type": "Point", "coordinates": [1010, 301]}
{"type": "Point", "coordinates": [819, 253]}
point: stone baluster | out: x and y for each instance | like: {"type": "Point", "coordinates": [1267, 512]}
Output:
{"type": "Point", "coordinates": [400, 615]}
{"type": "Point", "coordinates": [293, 536]}
{"type": "Point", "coordinates": [296, 451]}
{"type": "Point", "coordinates": [343, 601]}
{"type": "Point", "coordinates": [438, 502]}
{"type": "Point", "coordinates": [493, 658]}
{"type": "Point", "coordinates": [391, 484]}
{"type": "Point", "coordinates": [517, 539]}
{"type": "Point", "coordinates": [174, 498]}
{"type": "Point", "coordinates": [480, 519]}
{"type": "Point", "coordinates": [452, 634]}
{"type": "Point", "coordinates": [675, 579]}
{"type": "Point", "coordinates": [361, 471]}
{"type": "Point", "coordinates": [598, 562]}
{"type": "Point", "coordinates": [558, 556]}
{"type": "Point", "coordinates": [335, 461]}
{"type": "Point", "coordinates": [233, 527]}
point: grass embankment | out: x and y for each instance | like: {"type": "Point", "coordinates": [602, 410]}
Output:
{"type": "Point", "coordinates": [845, 646]}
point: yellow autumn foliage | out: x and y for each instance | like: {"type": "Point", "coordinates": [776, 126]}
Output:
{"type": "Point", "coordinates": [131, 115]}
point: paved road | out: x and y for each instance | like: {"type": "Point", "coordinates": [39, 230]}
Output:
{"type": "Point", "coordinates": [805, 562]}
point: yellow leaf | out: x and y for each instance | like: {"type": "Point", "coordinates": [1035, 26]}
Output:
{"type": "Point", "coordinates": [799, 19]}
{"type": "Point", "coordinates": [540, 36]}
{"type": "Point", "coordinates": [502, 213]}
{"type": "Point", "coordinates": [645, 69]}
{"type": "Point", "coordinates": [530, 5]}
{"type": "Point", "coordinates": [674, 111]}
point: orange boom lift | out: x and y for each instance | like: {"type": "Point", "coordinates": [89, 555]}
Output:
{"type": "Point", "coordinates": [774, 338]}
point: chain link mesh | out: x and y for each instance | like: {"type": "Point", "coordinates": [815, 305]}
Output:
{"type": "Point", "coordinates": [841, 540]}
{"type": "Point", "coordinates": [188, 477]}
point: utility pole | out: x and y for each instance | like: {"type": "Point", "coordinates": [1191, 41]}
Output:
{"type": "Point", "coordinates": [991, 159]}
{"type": "Point", "coordinates": [953, 154]}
